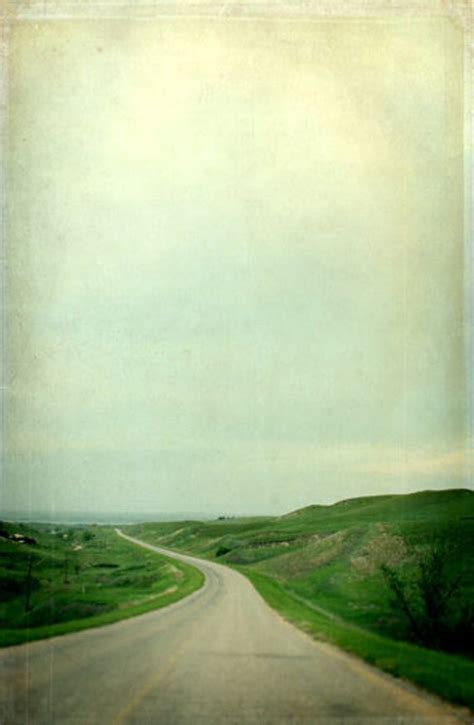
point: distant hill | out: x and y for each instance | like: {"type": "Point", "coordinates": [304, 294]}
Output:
{"type": "Point", "coordinates": [331, 555]}
{"type": "Point", "coordinates": [420, 505]}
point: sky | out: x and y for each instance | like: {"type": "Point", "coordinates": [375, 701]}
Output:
{"type": "Point", "coordinates": [234, 264]}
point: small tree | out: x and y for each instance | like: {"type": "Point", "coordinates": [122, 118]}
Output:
{"type": "Point", "coordinates": [430, 596]}
{"type": "Point", "coordinates": [223, 550]}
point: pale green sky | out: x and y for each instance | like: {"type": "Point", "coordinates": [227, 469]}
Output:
{"type": "Point", "coordinates": [235, 254]}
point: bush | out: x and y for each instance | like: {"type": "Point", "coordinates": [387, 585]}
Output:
{"type": "Point", "coordinates": [14, 585]}
{"type": "Point", "coordinates": [223, 550]}
{"type": "Point", "coordinates": [431, 596]}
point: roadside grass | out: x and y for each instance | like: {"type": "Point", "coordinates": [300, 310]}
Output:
{"type": "Point", "coordinates": [54, 588]}
{"type": "Point", "coordinates": [449, 676]}
{"type": "Point", "coordinates": [321, 568]}
{"type": "Point", "coordinates": [332, 555]}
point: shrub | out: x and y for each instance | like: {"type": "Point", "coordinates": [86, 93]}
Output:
{"type": "Point", "coordinates": [223, 550]}
{"type": "Point", "coordinates": [12, 586]}
{"type": "Point", "coordinates": [431, 596]}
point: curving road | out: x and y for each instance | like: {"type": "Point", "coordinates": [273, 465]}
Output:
{"type": "Point", "coordinates": [219, 656]}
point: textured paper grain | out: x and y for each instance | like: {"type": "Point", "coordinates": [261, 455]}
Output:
{"type": "Point", "coordinates": [235, 243]}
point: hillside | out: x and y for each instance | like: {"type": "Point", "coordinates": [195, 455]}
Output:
{"type": "Point", "coordinates": [328, 561]}
{"type": "Point", "coordinates": [58, 579]}
{"type": "Point", "coordinates": [333, 572]}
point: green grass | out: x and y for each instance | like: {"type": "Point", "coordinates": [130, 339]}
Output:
{"type": "Point", "coordinates": [104, 581]}
{"type": "Point", "coordinates": [331, 555]}
{"type": "Point", "coordinates": [449, 676]}
{"type": "Point", "coordinates": [320, 567]}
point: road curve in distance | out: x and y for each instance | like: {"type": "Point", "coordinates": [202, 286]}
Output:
{"type": "Point", "coordinates": [217, 657]}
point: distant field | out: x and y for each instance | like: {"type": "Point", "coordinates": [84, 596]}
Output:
{"type": "Point", "coordinates": [321, 568]}
{"type": "Point", "coordinates": [78, 577]}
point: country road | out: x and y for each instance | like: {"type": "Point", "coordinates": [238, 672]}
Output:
{"type": "Point", "coordinates": [219, 656]}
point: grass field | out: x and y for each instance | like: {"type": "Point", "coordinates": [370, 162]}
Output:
{"type": "Point", "coordinates": [73, 578]}
{"type": "Point", "coordinates": [321, 568]}
{"type": "Point", "coordinates": [449, 676]}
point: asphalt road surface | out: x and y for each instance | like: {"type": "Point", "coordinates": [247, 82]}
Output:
{"type": "Point", "coordinates": [219, 656]}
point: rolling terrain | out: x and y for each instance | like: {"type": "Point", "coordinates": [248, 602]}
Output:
{"type": "Point", "coordinates": [57, 579]}
{"type": "Point", "coordinates": [219, 656]}
{"type": "Point", "coordinates": [321, 568]}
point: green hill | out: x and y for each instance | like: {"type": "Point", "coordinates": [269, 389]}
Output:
{"type": "Point", "coordinates": [322, 567]}
{"type": "Point", "coordinates": [418, 517]}
{"type": "Point", "coordinates": [56, 579]}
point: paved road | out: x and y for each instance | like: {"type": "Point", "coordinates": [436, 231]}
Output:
{"type": "Point", "coordinates": [218, 656]}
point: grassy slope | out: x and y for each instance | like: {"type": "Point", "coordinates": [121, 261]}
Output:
{"type": "Point", "coordinates": [320, 568]}
{"type": "Point", "coordinates": [108, 579]}
{"type": "Point", "coordinates": [448, 676]}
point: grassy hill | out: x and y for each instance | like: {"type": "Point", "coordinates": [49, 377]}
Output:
{"type": "Point", "coordinates": [62, 579]}
{"type": "Point", "coordinates": [321, 567]}
{"type": "Point", "coordinates": [352, 537]}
